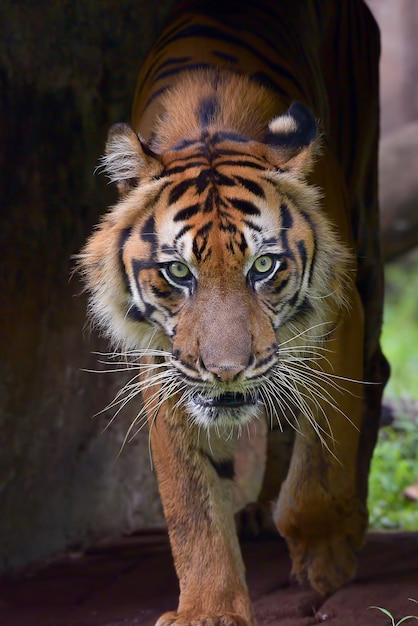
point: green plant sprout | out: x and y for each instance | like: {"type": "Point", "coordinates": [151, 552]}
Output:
{"type": "Point", "coordinates": [390, 616]}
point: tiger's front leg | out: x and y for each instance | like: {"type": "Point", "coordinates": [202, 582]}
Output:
{"type": "Point", "coordinates": [195, 482]}
{"type": "Point", "coordinates": [321, 510]}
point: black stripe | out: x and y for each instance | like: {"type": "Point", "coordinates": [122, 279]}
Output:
{"type": "Point", "coordinates": [251, 186]}
{"type": "Point", "coordinates": [207, 255]}
{"type": "Point", "coordinates": [294, 299]}
{"type": "Point", "coordinates": [200, 240]}
{"type": "Point", "coordinates": [228, 227]}
{"type": "Point", "coordinates": [137, 267]}
{"type": "Point", "coordinates": [179, 169]}
{"type": "Point", "coordinates": [179, 190]}
{"type": "Point", "coordinates": [187, 366]}
{"type": "Point", "coordinates": [205, 177]}
{"type": "Point", "coordinates": [225, 181]}
{"type": "Point", "coordinates": [186, 143]}
{"type": "Point", "coordinates": [186, 213]}
{"type": "Point", "coordinates": [248, 208]}
{"type": "Point", "coordinates": [173, 61]}
{"type": "Point", "coordinates": [148, 233]}
{"type": "Point", "coordinates": [208, 176]}
{"type": "Point", "coordinates": [287, 224]}
{"type": "Point", "coordinates": [304, 258]}
{"type": "Point", "coordinates": [142, 264]}
{"type": "Point", "coordinates": [224, 469]}
{"type": "Point", "coordinates": [287, 218]}
{"type": "Point", "coordinates": [267, 359]}
{"type": "Point", "coordinates": [135, 314]}
{"type": "Point", "coordinates": [309, 221]}
{"type": "Point", "coordinates": [181, 232]}
{"type": "Point", "coordinates": [125, 234]}
{"type": "Point", "coordinates": [159, 293]}
{"type": "Point", "coordinates": [305, 306]}
{"type": "Point", "coordinates": [271, 307]}
{"type": "Point", "coordinates": [210, 200]}
{"type": "Point", "coordinates": [243, 243]}
{"type": "Point", "coordinates": [151, 99]}
{"type": "Point", "coordinates": [302, 252]}
{"type": "Point", "coordinates": [223, 135]}
{"type": "Point", "coordinates": [178, 70]}
{"type": "Point", "coordinates": [204, 230]}
{"type": "Point", "coordinates": [280, 287]}
{"type": "Point", "coordinates": [252, 225]}
{"type": "Point", "coordinates": [157, 66]}
{"type": "Point", "coordinates": [268, 241]}
{"type": "Point", "coordinates": [209, 108]}
{"type": "Point", "coordinates": [229, 58]}
{"type": "Point", "coordinates": [243, 163]}
{"type": "Point", "coordinates": [168, 249]}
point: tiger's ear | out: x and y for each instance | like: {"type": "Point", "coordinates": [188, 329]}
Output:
{"type": "Point", "coordinates": [294, 137]}
{"type": "Point", "coordinates": [128, 159]}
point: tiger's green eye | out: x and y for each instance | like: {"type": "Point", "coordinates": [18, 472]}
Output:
{"type": "Point", "coordinates": [263, 264]}
{"type": "Point", "coordinates": [179, 271]}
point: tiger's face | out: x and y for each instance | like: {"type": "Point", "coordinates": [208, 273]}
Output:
{"type": "Point", "coordinates": [213, 256]}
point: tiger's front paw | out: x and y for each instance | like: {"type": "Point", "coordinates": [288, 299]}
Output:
{"type": "Point", "coordinates": [172, 618]}
{"type": "Point", "coordinates": [326, 562]}
{"type": "Point", "coordinates": [326, 557]}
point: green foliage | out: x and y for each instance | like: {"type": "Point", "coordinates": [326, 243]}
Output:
{"type": "Point", "coordinates": [394, 467]}
{"type": "Point", "coordinates": [400, 327]}
{"type": "Point", "coordinates": [395, 461]}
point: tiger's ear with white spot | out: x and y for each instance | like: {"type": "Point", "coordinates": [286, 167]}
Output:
{"type": "Point", "coordinates": [128, 159]}
{"type": "Point", "coordinates": [294, 137]}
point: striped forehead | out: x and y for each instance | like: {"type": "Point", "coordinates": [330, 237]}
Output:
{"type": "Point", "coordinates": [213, 199]}
{"type": "Point", "coordinates": [233, 226]}
{"type": "Point", "coordinates": [195, 237]}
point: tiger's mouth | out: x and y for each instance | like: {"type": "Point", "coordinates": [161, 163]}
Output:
{"type": "Point", "coordinates": [228, 409]}
{"type": "Point", "coordinates": [227, 400]}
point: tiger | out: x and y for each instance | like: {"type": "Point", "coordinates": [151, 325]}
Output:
{"type": "Point", "coordinates": [240, 273]}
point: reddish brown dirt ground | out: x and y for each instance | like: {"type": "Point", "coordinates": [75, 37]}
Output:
{"type": "Point", "coordinates": [132, 581]}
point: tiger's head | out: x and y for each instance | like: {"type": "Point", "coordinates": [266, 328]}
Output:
{"type": "Point", "coordinates": [217, 254]}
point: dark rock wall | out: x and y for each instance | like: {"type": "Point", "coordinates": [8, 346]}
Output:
{"type": "Point", "coordinates": [67, 71]}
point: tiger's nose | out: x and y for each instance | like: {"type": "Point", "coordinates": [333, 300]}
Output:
{"type": "Point", "coordinates": [225, 373]}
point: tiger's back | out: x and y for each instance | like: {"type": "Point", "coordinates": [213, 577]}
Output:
{"type": "Point", "coordinates": [210, 36]}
